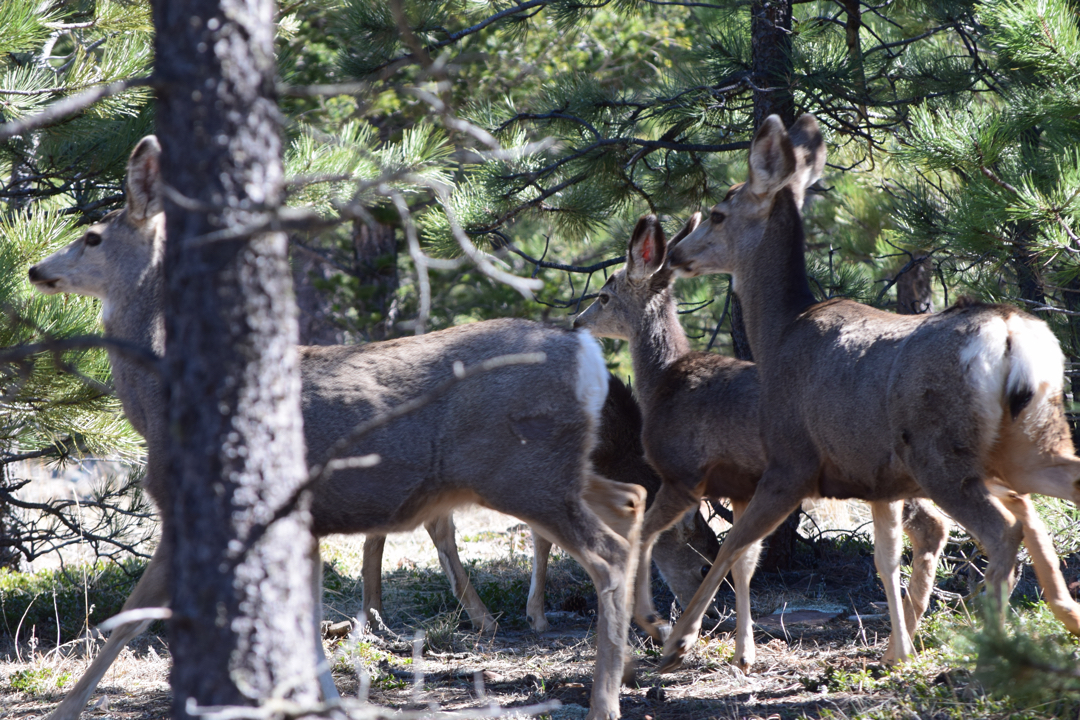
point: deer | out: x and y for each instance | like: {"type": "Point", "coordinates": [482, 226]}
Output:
{"type": "Point", "coordinates": [679, 551]}
{"type": "Point", "coordinates": [702, 429]}
{"type": "Point", "coordinates": [963, 407]}
{"type": "Point", "coordinates": [516, 438]}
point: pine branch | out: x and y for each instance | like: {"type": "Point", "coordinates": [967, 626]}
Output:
{"type": "Point", "coordinates": [69, 106]}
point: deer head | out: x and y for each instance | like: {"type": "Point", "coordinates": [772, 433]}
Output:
{"type": "Point", "coordinates": [113, 253]}
{"type": "Point", "coordinates": [620, 307]}
{"type": "Point", "coordinates": [779, 161]}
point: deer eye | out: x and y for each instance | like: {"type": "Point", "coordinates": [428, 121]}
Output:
{"type": "Point", "coordinates": [717, 217]}
{"type": "Point", "coordinates": [604, 298]}
{"type": "Point", "coordinates": [92, 239]}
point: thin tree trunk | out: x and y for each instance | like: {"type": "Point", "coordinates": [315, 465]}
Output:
{"type": "Point", "coordinates": [770, 40]}
{"type": "Point", "coordinates": [241, 599]}
{"type": "Point", "coordinates": [376, 264]}
{"type": "Point", "coordinates": [914, 294]}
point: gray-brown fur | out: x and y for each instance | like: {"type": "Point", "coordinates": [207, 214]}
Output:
{"type": "Point", "coordinates": [702, 428]}
{"type": "Point", "coordinates": [516, 438]}
{"type": "Point", "coordinates": [679, 552]}
{"type": "Point", "coordinates": [869, 404]}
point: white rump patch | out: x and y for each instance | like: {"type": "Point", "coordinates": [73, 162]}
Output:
{"type": "Point", "coordinates": [592, 380]}
{"type": "Point", "coordinates": [985, 367]}
{"type": "Point", "coordinates": [1037, 365]}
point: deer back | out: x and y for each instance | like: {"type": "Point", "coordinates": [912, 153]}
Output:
{"type": "Point", "coordinates": [520, 429]}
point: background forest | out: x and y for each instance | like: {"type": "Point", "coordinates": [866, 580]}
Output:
{"type": "Point", "coordinates": [434, 147]}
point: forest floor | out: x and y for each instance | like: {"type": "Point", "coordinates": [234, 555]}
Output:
{"type": "Point", "coordinates": [820, 634]}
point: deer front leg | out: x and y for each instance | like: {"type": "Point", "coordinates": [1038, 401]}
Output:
{"type": "Point", "coordinates": [670, 504]}
{"type": "Point", "coordinates": [371, 575]}
{"type": "Point", "coordinates": [534, 608]}
{"type": "Point", "coordinates": [442, 533]}
{"type": "Point", "coordinates": [887, 548]}
{"type": "Point", "coordinates": [776, 498]}
{"type": "Point", "coordinates": [928, 531]}
{"type": "Point", "coordinates": [741, 573]}
{"type": "Point", "coordinates": [152, 590]}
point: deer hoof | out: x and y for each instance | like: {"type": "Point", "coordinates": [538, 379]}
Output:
{"type": "Point", "coordinates": [673, 657]}
{"type": "Point", "coordinates": [538, 624]}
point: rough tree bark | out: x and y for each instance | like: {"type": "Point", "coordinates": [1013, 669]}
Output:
{"type": "Point", "coordinates": [242, 599]}
{"type": "Point", "coordinates": [914, 294]}
{"type": "Point", "coordinates": [770, 43]}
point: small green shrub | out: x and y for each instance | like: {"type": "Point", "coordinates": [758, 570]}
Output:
{"type": "Point", "coordinates": [38, 682]}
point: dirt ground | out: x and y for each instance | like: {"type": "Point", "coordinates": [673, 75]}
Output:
{"type": "Point", "coordinates": [819, 660]}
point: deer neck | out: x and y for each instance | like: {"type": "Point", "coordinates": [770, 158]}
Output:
{"type": "Point", "coordinates": [658, 342]}
{"type": "Point", "coordinates": [775, 288]}
{"type": "Point", "coordinates": [134, 313]}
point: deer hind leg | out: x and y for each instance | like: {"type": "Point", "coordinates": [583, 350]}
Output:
{"type": "Point", "coordinates": [534, 608]}
{"type": "Point", "coordinates": [152, 590]}
{"type": "Point", "coordinates": [371, 576]}
{"type": "Point", "coordinates": [887, 548]}
{"type": "Point", "coordinates": [778, 494]}
{"type": "Point", "coordinates": [741, 573]}
{"type": "Point", "coordinates": [928, 531]}
{"type": "Point", "coordinates": [601, 531]}
{"type": "Point", "coordinates": [958, 488]}
{"type": "Point", "coordinates": [442, 534]}
{"type": "Point", "coordinates": [670, 504]}
{"type": "Point", "coordinates": [1045, 560]}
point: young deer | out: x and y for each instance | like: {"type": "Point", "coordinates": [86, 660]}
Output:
{"type": "Point", "coordinates": [516, 439]}
{"type": "Point", "coordinates": [701, 427]}
{"type": "Point", "coordinates": [962, 406]}
{"type": "Point", "coordinates": [680, 552]}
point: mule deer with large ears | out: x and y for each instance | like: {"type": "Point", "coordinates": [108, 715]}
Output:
{"type": "Point", "coordinates": [516, 439]}
{"type": "Point", "coordinates": [701, 426]}
{"type": "Point", "coordinates": [963, 406]}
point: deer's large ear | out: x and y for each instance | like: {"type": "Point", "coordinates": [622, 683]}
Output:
{"type": "Point", "coordinates": [689, 227]}
{"type": "Point", "coordinates": [144, 180]}
{"type": "Point", "coordinates": [772, 159]}
{"type": "Point", "coordinates": [809, 145]}
{"type": "Point", "coordinates": [645, 254]}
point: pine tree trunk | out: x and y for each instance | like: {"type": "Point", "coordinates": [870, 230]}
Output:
{"type": "Point", "coordinates": [376, 263]}
{"type": "Point", "coordinates": [242, 616]}
{"type": "Point", "coordinates": [914, 294]}
{"type": "Point", "coordinates": [770, 40]}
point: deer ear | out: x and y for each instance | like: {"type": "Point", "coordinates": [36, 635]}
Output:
{"type": "Point", "coordinates": [645, 254]}
{"type": "Point", "coordinates": [809, 145]}
{"type": "Point", "coordinates": [772, 159]}
{"type": "Point", "coordinates": [689, 227]}
{"type": "Point", "coordinates": [144, 180]}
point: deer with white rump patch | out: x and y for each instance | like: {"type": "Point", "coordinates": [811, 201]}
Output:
{"type": "Point", "coordinates": [681, 553]}
{"type": "Point", "coordinates": [516, 439]}
{"type": "Point", "coordinates": [962, 406]}
{"type": "Point", "coordinates": [701, 426]}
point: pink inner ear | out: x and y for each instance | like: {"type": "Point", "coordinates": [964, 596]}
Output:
{"type": "Point", "coordinates": [646, 251]}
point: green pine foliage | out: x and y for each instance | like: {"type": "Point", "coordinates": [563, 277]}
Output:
{"type": "Point", "coordinates": [58, 405]}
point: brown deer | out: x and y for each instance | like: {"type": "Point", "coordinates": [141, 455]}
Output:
{"type": "Point", "coordinates": [867, 404]}
{"type": "Point", "coordinates": [701, 426]}
{"type": "Point", "coordinates": [681, 553]}
{"type": "Point", "coordinates": [516, 439]}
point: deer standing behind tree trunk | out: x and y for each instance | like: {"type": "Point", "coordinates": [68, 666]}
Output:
{"type": "Point", "coordinates": [701, 426]}
{"type": "Point", "coordinates": [962, 406]}
{"type": "Point", "coordinates": [681, 553]}
{"type": "Point", "coordinates": [516, 438]}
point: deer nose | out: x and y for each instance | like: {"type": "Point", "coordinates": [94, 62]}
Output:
{"type": "Point", "coordinates": [34, 273]}
{"type": "Point", "coordinates": [577, 322]}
